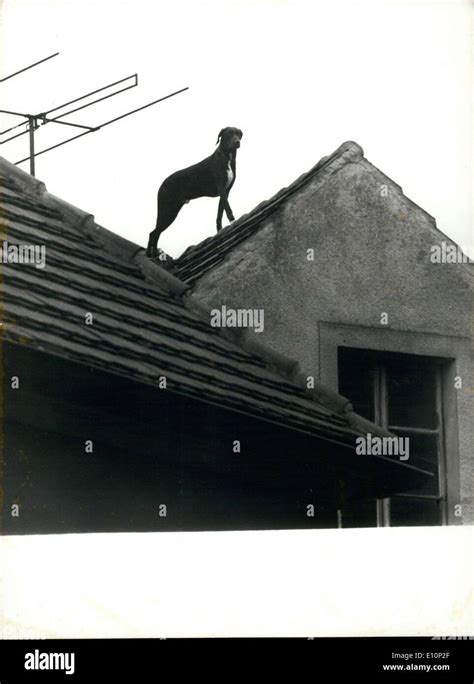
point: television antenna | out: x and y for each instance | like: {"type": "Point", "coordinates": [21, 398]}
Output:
{"type": "Point", "coordinates": [33, 121]}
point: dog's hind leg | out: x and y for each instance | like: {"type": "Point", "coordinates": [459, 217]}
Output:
{"type": "Point", "coordinates": [167, 212]}
{"type": "Point", "coordinates": [152, 247]}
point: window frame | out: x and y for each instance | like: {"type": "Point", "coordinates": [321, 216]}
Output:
{"type": "Point", "coordinates": [453, 351]}
{"type": "Point", "coordinates": [381, 406]}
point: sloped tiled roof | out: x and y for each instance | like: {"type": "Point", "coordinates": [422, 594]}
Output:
{"type": "Point", "coordinates": [199, 259]}
{"type": "Point", "coordinates": [141, 328]}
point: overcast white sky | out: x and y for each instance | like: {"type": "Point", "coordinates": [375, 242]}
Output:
{"type": "Point", "coordinates": [298, 77]}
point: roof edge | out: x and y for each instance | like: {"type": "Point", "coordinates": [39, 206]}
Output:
{"type": "Point", "coordinates": [364, 426]}
{"type": "Point", "coordinates": [22, 179]}
{"type": "Point", "coordinates": [413, 205]}
{"type": "Point", "coordinates": [347, 152]}
{"type": "Point", "coordinates": [155, 273]}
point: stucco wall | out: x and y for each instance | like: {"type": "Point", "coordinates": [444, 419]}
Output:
{"type": "Point", "coordinates": [372, 249]}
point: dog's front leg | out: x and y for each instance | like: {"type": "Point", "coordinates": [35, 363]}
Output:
{"type": "Point", "coordinates": [220, 211]}
{"type": "Point", "coordinates": [224, 204]}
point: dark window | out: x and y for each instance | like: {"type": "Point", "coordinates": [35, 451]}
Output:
{"type": "Point", "coordinates": [411, 393]}
{"type": "Point", "coordinates": [356, 380]}
{"type": "Point", "coordinates": [402, 393]}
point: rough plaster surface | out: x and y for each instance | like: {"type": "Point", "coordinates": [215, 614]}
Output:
{"type": "Point", "coordinates": [371, 255]}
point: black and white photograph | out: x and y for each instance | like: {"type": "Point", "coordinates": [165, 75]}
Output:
{"type": "Point", "coordinates": [236, 322]}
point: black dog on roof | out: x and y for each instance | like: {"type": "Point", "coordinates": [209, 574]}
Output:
{"type": "Point", "coordinates": [212, 177]}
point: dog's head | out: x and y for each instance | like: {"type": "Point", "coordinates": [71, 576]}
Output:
{"type": "Point", "coordinates": [230, 138]}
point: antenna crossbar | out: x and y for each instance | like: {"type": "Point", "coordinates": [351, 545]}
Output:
{"type": "Point", "coordinates": [106, 123]}
{"type": "Point", "coordinates": [20, 71]}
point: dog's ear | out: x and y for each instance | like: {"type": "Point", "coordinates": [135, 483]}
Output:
{"type": "Point", "coordinates": [220, 135]}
